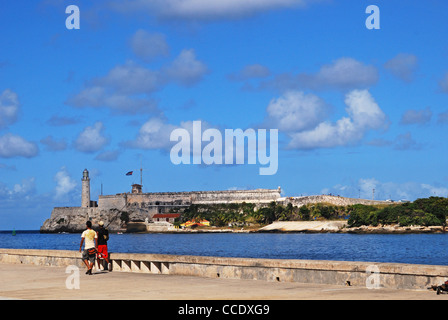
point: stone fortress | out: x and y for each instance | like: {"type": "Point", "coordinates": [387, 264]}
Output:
{"type": "Point", "coordinates": [138, 209]}
{"type": "Point", "coordinates": [141, 207]}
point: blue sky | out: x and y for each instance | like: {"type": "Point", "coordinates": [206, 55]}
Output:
{"type": "Point", "coordinates": [356, 109]}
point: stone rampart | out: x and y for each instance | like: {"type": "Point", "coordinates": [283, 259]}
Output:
{"type": "Point", "coordinates": [205, 197]}
{"type": "Point", "coordinates": [334, 200]}
{"type": "Point", "coordinates": [371, 274]}
{"type": "Point", "coordinates": [117, 201]}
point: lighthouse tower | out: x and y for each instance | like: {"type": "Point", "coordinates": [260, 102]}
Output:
{"type": "Point", "coordinates": [85, 193]}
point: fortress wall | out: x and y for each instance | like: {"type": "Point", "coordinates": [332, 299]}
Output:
{"type": "Point", "coordinates": [335, 200]}
{"type": "Point", "coordinates": [204, 197]}
{"type": "Point", "coordinates": [112, 202]}
{"type": "Point", "coordinates": [236, 196]}
{"type": "Point", "coordinates": [159, 198]}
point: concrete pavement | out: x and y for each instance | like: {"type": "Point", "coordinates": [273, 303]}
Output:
{"type": "Point", "coordinates": [50, 283]}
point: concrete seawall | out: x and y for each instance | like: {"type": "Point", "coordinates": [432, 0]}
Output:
{"type": "Point", "coordinates": [380, 275]}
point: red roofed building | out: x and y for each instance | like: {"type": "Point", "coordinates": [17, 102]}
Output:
{"type": "Point", "coordinates": [168, 217]}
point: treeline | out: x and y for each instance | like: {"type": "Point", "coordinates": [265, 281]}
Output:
{"type": "Point", "coordinates": [246, 213]}
{"type": "Point", "coordinates": [431, 211]}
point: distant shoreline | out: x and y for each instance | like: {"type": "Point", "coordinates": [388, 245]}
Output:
{"type": "Point", "coordinates": [387, 229]}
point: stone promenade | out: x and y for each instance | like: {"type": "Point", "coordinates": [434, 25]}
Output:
{"type": "Point", "coordinates": [49, 283]}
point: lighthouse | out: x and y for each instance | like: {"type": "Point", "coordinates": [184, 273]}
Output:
{"type": "Point", "coordinates": [85, 193]}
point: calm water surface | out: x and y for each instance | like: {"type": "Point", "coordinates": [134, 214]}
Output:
{"type": "Point", "coordinates": [407, 248]}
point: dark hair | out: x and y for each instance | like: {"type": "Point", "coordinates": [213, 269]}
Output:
{"type": "Point", "coordinates": [89, 224]}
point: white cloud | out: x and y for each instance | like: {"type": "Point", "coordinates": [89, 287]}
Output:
{"type": "Point", "coordinates": [19, 192]}
{"type": "Point", "coordinates": [15, 146]}
{"type": "Point", "coordinates": [108, 155]}
{"type": "Point", "coordinates": [443, 83]}
{"type": "Point", "coordinates": [185, 69]}
{"type": "Point", "coordinates": [296, 111]}
{"type": "Point", "coordinates": [91, 139]}
{"type": "Point", "coordinates": [417, 116]}
{"type": "Point", "coordinates": [403, 66]}
{"type": "Point", "coordinates": [104, 97]}
{"type": "Point", "coordinates": [406, 142]}
{"type": "Point", "coordinates": [64, 183]}
{"type": "Point", "coordinates": [205, 9]}
{"type": "Point", "coordinates": [364, 110]}
{"type": "Point", "coordinates": [53, 144]}
{"type": "Point", "coordinates": [250, 72]}
{"type": "Point", "coordinates": [148, 46]}
{"type": "Point", "coordinates": [9, 108]}
{"type": "Point", "coordinates": [127, 88]}
{"type": "Point", "coordinates": [155, 134]}
{"type": "Point", "coordinates": [342, 74]}
{"type": "Point", "coordinates": [364, 114]}
{"type": "Point", "coordinates": [403, 141]}
{"type": "Point", "coordinates": [25, 188]}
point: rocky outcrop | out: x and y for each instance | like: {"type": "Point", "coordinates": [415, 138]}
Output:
{"type": "Point", "coordinates": [385, 229]}
{"type": "Point", "coordinates": [73, 219]}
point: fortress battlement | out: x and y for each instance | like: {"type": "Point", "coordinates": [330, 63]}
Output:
{"type": "Point", "coordinates": [140, 206]}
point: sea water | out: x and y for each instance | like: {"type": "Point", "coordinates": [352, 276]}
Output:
{"type": "Point", "coordinates": [429, 249]}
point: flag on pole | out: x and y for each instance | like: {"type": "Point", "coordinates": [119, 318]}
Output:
{"type": "Point", "coordinates": [129, 173]}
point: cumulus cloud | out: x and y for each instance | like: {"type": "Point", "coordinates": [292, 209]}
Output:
{"type": "Point", "coordinates": [64, 183]}
{"type": "Point", "coordinates": [342, 74]}
{"type": "Point", "coordinates": [108, 155]}
{"type": "Point", "coordinates": [250, 72]}
{"type": "Point", "coordinates": [442, 117]}
{"type": "Point", "coordinates": [155, 134]}
{"type": "Point", "coordinates": [20, 191]}
{"type": "Point", "coordinates": [185, 69]}
{"type": "Point", "coordinates": [417, 116]}
{"type": "Point", "coordinates": [148, 46]}
{"type": "Point", "coordinates": [403, 141]}
{"type": "Point", "coordinates": [127, 88]}
{"type": "Point", "coordinates": [443, 83]}
{"type": "Point", "coordinates": [363, 114]}
{"type": "Point", "coordinates": [60, 121]}
{"type": "Point", "coordinates": [205, 9]}
{"type": "Point", "coordinates": [296, 111]}
{"type": "Point", "coordinates": [105, 97]}
{"type": "Point", "coordinates": [9, 108]}
{"type": "Point", "coordinates": [54, 145]}
{"type": "Point", "coordinates": [91, 139]}
{"type": "Point", "coordinates": [403, 66]}
{"type": "Point", "coordinates": [15, 146]}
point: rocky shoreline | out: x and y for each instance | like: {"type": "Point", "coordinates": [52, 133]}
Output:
{"type": "Point", "coordinates": [275, 227]}
{"type": "Point", "coordinates": [393, 229]}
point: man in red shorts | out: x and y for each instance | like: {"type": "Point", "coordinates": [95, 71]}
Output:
{"type": "Point", "coordinates": [103, 236]}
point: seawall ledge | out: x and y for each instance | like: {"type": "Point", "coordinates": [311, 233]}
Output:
{"type": "Point", "coordinates": [392, 275]}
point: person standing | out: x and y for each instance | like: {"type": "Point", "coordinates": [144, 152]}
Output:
{"type": "Point", "coordinates": [89, 238]}
{"type": "Point", "coordinates": [103, 237]}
